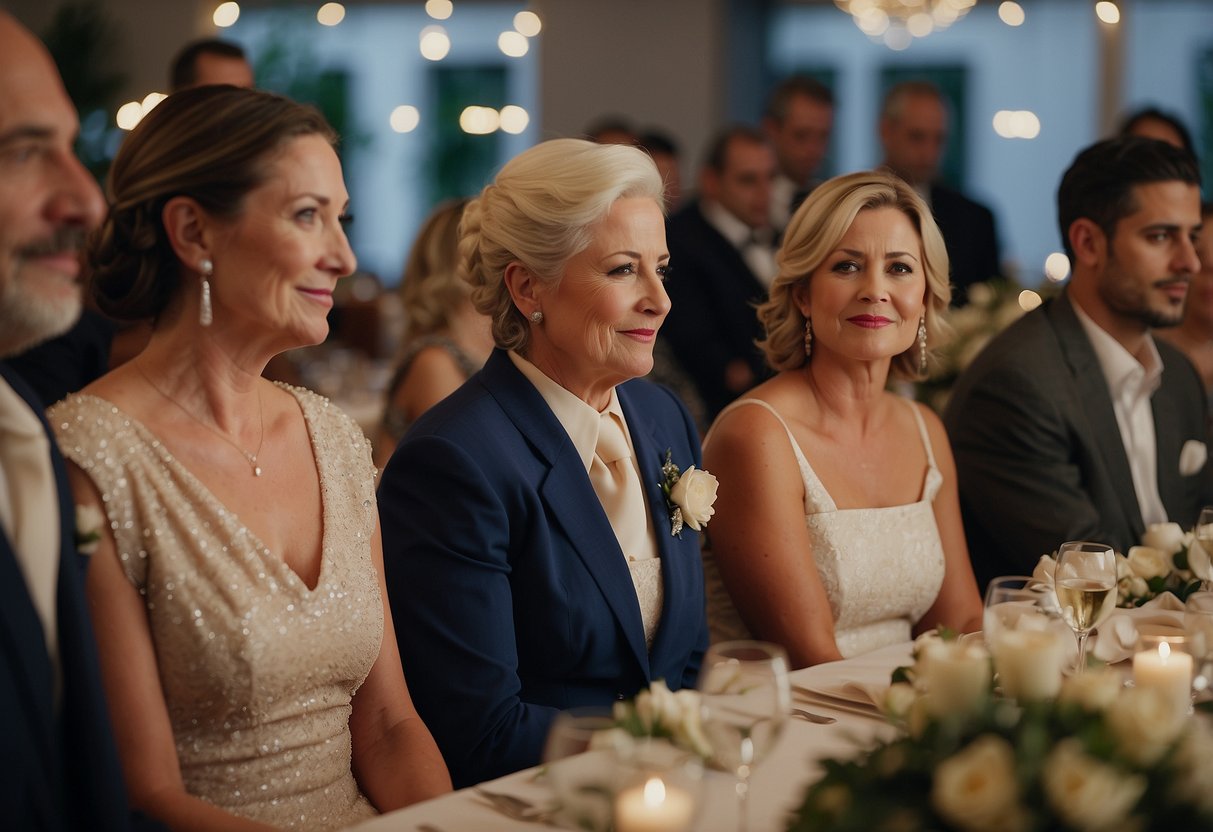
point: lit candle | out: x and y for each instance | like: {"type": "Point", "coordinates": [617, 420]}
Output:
{"type": "Point", "coordinates": [1029, 663]}
{"type": "Point", "coordinates": [653, 807]}
{"type": "Point", "coordinates": [956, 677]}
{"type": "Point", "coordinates": [1165, 671]}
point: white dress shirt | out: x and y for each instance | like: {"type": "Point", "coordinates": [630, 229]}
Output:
{"type": "Point", "coordinates": [755, 244]}
{"type": "Point", "coordinates": [29, 506]}
{"type": "Point", "coordinates": [1132, 382]}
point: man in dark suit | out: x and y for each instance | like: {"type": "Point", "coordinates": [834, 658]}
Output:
{"type": "Point", "coordinates": [1075, 424]}
{"type": "Point", "coordinates": [799, 121]}
{"type": "Point", "coordinates": [722, 259]}
{"type": "Point", "coordinates": [58, 766]}
{"type": "Point", "coordinates": [913, 133]}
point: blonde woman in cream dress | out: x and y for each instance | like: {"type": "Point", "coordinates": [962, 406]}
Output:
{"type": "Point", "coordinates": [837, 527]}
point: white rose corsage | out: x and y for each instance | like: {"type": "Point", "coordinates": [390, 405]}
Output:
{"type": "Point", "coordinates": [689, 494]}
{"type": "Point", "coordinates": [89, 520]}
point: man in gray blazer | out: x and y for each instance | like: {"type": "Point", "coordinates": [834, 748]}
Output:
{"type": "Point", "coordinates": [1075, 424]}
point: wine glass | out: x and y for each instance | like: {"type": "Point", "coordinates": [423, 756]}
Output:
{"type": "Point", "coordinates": [582, 755]}
{"type": "Point", "coordinates": [746, 700]}
{"type": "Point", "coordinates": [1198, 625]}
{"type": "Point", "coordinates": [1204, 537]}
{"type": "Point", "coordinates": [1085, 582]}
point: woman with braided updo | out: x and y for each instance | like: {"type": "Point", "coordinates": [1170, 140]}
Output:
{"type": "Point", "coordinates": [246, 644]}
{"type": "Point", "coordinates": [531, 555]}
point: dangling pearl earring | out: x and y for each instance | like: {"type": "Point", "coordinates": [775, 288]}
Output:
{"type": "Point", "coordinates": [205, 315]}
{"type": "Point", "coordinates": [808, 338]}
{"type": "Point", "coordinates": [922, 345]}
{"type": "Point", "coordinates": [536, 317]}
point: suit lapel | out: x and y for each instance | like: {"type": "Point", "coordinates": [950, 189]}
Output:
{"type": "Point", "coordinates": [569, 497]}
{"type": "Point", "coordinates": [1093, 400]}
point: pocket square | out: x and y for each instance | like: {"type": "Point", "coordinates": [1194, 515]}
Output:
{"type": "Point", "coordinates": [1192, 457]}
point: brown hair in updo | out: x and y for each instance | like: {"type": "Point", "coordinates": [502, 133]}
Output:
{"type": "Point", "coordinates": [213, 144]}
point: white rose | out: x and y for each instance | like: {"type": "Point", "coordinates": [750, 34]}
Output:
{"type": "Point", "coordinates": [1138, 587]}
{"type": "Point", "coordinates": [956, 676]}
{"type": "Point", "coordinates": [89, 522]}
{"type": "Point", "coordinates": [1087, 794]}
{"type": "Point", "coordinates": [643, 706]}
{"type": "Point", "coordinates": [1169, 537]}
{"type": "Point", "coordinates": [689, 730]}
{"type": "Point", "coordinates": [1123, 570]}
{"type": "Point", "coordinates": [1148, 562]}
{"type": "Point", "coordinates": [1199, 561]}
{"type": "Point", "coordinates": [1193, 774]}
{"type": "Point", "coordinates": [898, 700]}
{"type": "Point", "coordinates": [1145, 723]}
{"type": "Point", "coordinates": [1093, 690]}
{"type": "Point", "coordinates": [975, 789]}
{"type": "Point", "coordinates": [695, 493]}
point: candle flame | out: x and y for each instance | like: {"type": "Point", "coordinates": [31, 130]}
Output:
{"type": "Point", "coordinates": [654, 792]}
{"type": "Point", "coordinates": [1164, 651]}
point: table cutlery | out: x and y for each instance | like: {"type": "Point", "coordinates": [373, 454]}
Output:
{"type": "Point", "coordinates": [816, 719]}
{"type": "Point", "coordinates": [517, 808]}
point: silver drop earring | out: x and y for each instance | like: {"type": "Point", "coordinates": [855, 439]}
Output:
{"type": "Point", "coordinates": [808, 338]}
{"type": "Point", "coordinates": [205, 314]}
{"type": "Point", "coordinates": [536, 317]}
{"type": "Point", "coordinates": [922, 345]}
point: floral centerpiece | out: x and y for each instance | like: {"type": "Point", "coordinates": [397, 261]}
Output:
{"type": "Point", "coordinates": [1168, 560]}
{"type": "Point", "coordinates": [1097, 757]}
{"type": "Point", "coordinates": [992, 307]}
{"type": "Point", "coordinates": [659, 712]}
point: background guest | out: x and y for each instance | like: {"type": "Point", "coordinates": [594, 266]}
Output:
{"type": "Point", "coordinates": [210, 61]}
{"type": "Point", "coordinates": [799, 120]}
{"type": "Point", "coordinates": [1153, 123]}
{"type": "Point", "coordinates": [913, 133]}
{"type": "Point", "coordinates": [666, 156]}
{"type": "Point", "coordinates": [530, 558]}
{"type": "Point", "coordinates": [58, 766]}
{"type": "Point", "coordinates": [446, 339]}
{"type": "Point", "coordinates": [838, 527]}
{"type": "Point", "coordinates": [1074, 423]}
{"type": "Point", "coordinates": [249, 674]}
{"type": "Point", "coordinates": [723, 257]}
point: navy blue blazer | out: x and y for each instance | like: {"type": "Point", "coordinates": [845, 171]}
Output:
{"type": "Point", "coordinates": [510, 595]}
{"type": "Point", "coordinates": [58, 768]}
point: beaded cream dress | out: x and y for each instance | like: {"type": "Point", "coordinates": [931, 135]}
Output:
{"type": "Point", "coordinates": [257, 670]}
{"type": "Point", "coordinates": [882, 567]}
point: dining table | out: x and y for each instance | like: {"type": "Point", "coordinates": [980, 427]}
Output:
{"type": "Point", "coordinates": [777, 785]}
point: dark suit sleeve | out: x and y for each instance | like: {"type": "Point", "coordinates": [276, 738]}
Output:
{"type": "Point", "coordinates": [446, 537]}
{"type": "Point", "coordinates": [1021, 490]}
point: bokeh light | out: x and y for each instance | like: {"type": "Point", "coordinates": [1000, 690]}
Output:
{"type": "Point", "coordinates": [435, 43]}
{"type": "Point", "coordinates": [1011, 13]}
{"type": "Point", "coordinates": [439, 9]}
{"type": "Point", "coordinates": [1057, 267]}
{"type": "Point", "coordinates": [528, 23]}
{"type": "Point", "coordinates": [405, 118]}
{"type": "Point", "coordinates": [226, 14]}
{"type": "Point", "coordinates": [514, 119]}
{"type": "Point", "coordinates": [513, 44]}
{"type": "Point", "coordinates": [330, 14]}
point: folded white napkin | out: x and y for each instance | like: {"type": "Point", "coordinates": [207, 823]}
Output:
{"type": "Point", "coordinates": [1116, 639]}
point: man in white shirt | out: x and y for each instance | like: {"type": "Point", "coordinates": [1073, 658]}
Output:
{"type": "Point", "coordinates": [1075, 424]}
{"type": "Point", "coordinates": [58, 767]}
{"type": "Point", "coordinates": [799, 120]}
{"type": "Point", "coordinates": [722, 259]}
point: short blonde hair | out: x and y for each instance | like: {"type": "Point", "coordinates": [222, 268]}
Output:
{"type": "Point", "coordinates": [433, 287]}
{"type": "Point", "coordinates": [815, 231]}
{"type": "Point", "coordinates": [541, 211]}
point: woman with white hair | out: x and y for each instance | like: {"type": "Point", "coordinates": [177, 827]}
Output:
{"type": "Point", "coordinates": [533, 559]}
{"type": "Point", "coordinates": [838, 527]}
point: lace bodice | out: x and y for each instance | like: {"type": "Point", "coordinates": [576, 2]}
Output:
{"type": "Point", "coordinates": [258, 671]}
{"type": "Point", "coordinates": [882, 567]}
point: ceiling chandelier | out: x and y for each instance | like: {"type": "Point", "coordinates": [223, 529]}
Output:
{"type": "Point", "coordinates": [896, 23]}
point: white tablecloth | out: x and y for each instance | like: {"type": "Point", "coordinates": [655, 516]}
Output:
{"type": "Point", "coordinates": [777, 785]}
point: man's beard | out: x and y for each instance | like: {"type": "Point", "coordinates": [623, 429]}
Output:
{"type": "Point", "coordinates": [28, 317]}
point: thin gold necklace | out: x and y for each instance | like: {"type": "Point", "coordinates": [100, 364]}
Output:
{"type": "Point", "coordinates": [251, 458]}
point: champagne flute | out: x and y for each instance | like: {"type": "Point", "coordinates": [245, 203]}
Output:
{"type": "Point", "coordinates": [746, 700]}
{"type": "Point", "coordinates": [1085, 582]}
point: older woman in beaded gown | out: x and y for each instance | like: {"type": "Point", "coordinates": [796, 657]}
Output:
{"type": "Point", "coordinates": [245, 640]}
{"type": "Point", "coordinates": [838, 526]}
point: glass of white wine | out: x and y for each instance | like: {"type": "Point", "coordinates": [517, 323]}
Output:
{"type": "Point", "coordinates": [1204, 536]}
{"type": "Point", "coordinates": [746, 700]}
{"type": "Point", "coordinates": [1085, 582]}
